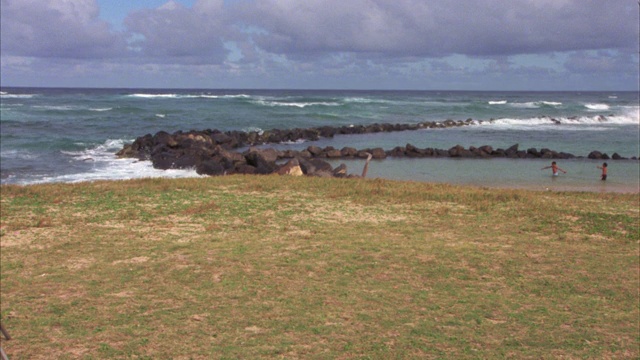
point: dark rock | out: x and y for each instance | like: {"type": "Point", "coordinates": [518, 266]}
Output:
{"type": "Point", "coordinates": [441, 152]}
{"type": "Point", "coordinates": [378, 153]}
{"type": "Point", "coordinates": [335, 154]}
{"type": "Point", "coordinates": [512, 151]}
{"type": "Point", "coordinates": [210, 167]}
{"type": "Point", "coordinates": [398, 151]}
{"type": "Point", "coordinates": [564, 155]}
{"type": "Point", "coordinates": [595, 155]}
{"type": "Point", "coordinates": [456, 150]}
{"type": "Point", "coordinates": [313, 165]}
{"type": "Point", "coordinates": [340, 171]}
{"type": "Point", "coordinates": [314, 150]}
{"type": "Point", "coordinates": [262, 165]}
{"type": "Point", "coordinates": [246, 169]}
{"type": "Point", "coordinates": [348, 152]}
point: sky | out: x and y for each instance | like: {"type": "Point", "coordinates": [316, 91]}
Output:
{"type": "Point", "coordinates": [570, 45]}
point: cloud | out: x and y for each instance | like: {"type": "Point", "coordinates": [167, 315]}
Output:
{"type": "Point", "coordinates": [311, 28]}
{"type": "Point", "coordinates": [57, 29]}
{"type": "Point", "coordinates": [351, 43]}
{"type": "Point", "coordinates": [440, 28]}
{"type": "Point", "coordinates": [174, 32]}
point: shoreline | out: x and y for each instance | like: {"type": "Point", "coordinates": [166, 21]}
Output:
{"type": "Point", "coordinates": [548, 184]}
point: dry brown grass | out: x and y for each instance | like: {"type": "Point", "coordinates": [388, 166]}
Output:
{"type": "Point", "coordinates": [279, 267]}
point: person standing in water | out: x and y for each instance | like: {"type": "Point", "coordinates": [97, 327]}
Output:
{"type": "Point", "coordinates": [604, 171]}
{"type": "Point", "coordinates": [554, 168]}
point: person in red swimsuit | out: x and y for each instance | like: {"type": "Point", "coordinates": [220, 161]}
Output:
{"type": "Point", "coordinates": [554, 168]}
{"type": "Point", "coordinates": [604, 171]}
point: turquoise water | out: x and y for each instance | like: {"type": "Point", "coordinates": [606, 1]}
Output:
{"type": "Point", "coordinates": [70, 135]}
{"type": "Point", "coordinates": [582, 174]}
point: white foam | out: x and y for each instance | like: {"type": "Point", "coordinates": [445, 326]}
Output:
{"type": "Point", "coordinates": [598, 122]}
{"type": "Point", "coordinates": [101, 109]}
{"type": "Point", "coordinates": [362, 100]}
{"type": "Point", "coordinates": [242, 96]}
{"type": "Point", "coordinates": [6, 95]}
{"type": "Point", "coordinates": [56, 107]}
{"type": "Point", "coordinates": [187, 96]}
{"type": "Point", "coordinates": [154, 96]}
{"type": "Point", "coordinates": [106, 166]}
{"type": "Point", "coordinates": [253, 129]}
{"type": "Point", "coordinates": [535, 104]}
{"type": "Point", "coordinates": [294, 104]}
{"type": "Point", "coordinates": [15, 154]}
{"type": "Point", "coordinates": [597, 106]}
{"type": "Point", "coordinates": [498, 102]}
{"type": "Point", "coordinates": [526, 105]}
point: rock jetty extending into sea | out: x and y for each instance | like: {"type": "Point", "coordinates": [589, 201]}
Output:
{"type": "Point", "coordinates": [213, 152]}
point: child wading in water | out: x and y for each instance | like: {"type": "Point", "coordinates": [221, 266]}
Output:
{"type": "Point", "coordinates": [604, 171]}
{"type": "Point", "coordinates": [554, 168]}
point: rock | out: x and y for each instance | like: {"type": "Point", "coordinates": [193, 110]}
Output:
{"type": "Point", "coordinates": [333, 153]}
{"type": "Point", "coordinates": [210, 167]}
{"type": "Point", "coordinates": [486, 149]}
{"type": "Point", "coordinates": [268, 154]}
{"type": "Point", "coordinates": [126, 152]}
{"type": "Point", "coordinates": [348, 152]}
{"type": "Point", "coordinates": [223, 139]}
{"type": "Point", "coordinates": [340, 171]}
{"type": "Point", "coordinates": [292, 167]}
{"type": "Point", "coordinates": [378, 153]}
{"type": "Point", "coordinates": [246, 169]}
{"type": "Point", "coordinates": [257, 160]}
{"type": "Point", "coordinates": [512, 151]}
{"type": "Point", "coordinates": [314, 150]}
{"type": "Point", "coordinates": [595, 155]}
{"type": "Point", "coordinates": [454, 151]}
{"type": "Point", "coordinates": [314, 165]}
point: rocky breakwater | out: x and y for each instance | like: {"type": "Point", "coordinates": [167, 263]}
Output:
{"type": "Point", "coordinates": [208, 155]}
{"type": "Point", "coordinates": [458, 151]}
{"type": "Point", "coordinates": [212, 152]}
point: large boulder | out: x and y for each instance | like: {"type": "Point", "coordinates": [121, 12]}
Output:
{"type": "Point", "coordinates": [597, 155]}
{"type": "Point", "coordinates": [258, 160]}
{"type": "Point", "coordinates": [291, 167]}
{"type": "Point", "coordinates": [378, 153]}
{"type": "Point", "coordinates": [210, 167]}
{"type": "Point", "coordinates": [314, 165]}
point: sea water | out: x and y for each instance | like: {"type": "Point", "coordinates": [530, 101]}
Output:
{"type": "Point", "coordinates": [71, 135]}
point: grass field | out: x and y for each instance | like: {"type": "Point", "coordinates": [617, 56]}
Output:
{"type": "Point", "coordinates": [306, 268]}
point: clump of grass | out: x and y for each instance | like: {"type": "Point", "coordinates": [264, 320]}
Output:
{"type": "Point", "coordinates": [268, 266]}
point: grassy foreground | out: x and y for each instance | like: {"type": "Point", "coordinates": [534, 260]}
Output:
{"type": "Point", "coordinates": [307, 268]}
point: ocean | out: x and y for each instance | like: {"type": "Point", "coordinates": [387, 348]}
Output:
{"type": "Point", "coordinates": [50, 135]}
